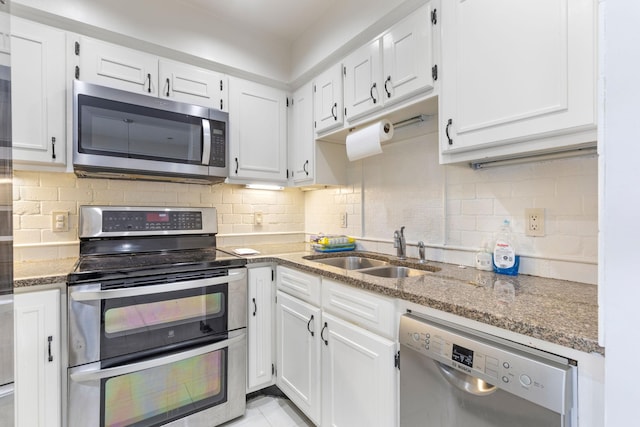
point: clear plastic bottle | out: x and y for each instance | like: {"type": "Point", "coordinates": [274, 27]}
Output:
{"type": "Point", "coordinates": [484, 260]}
{"type": "Point", "coordinates": [505, 259]}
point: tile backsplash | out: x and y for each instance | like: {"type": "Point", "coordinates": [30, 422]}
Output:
{"type": "Point", "coordinates": [455, 210]}
{"type": "Point", "coordinates": [37, 194]}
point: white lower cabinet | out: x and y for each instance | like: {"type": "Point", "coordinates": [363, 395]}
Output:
{"type": "Point", "coordinates": [260, 333]}
{"type": "Point", "coordinates": [358, 376]}
{"type": "Point", "coordinates": [339, 370]}
{"type": "Point", "coordinates": [37, 362]}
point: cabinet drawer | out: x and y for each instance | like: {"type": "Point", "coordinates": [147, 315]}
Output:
{"type": "Point", "coordinates": [298, 284]}
{"type": "Point", "coordinates": [365, 309]}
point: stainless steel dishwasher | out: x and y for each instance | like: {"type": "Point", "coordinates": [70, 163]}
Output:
{"type": "Point", "coordinates": [457, 377]}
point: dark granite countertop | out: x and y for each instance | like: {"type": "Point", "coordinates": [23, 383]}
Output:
{"type": "Point", "coordinates": [552, 310]}
{"type": "Point", "coordinates": [556, 311]}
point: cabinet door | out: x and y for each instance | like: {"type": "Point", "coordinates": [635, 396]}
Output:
{"type": "Point", "coordinates": [260, 329]}
{"type": "Point", "coordinates": [408, 56]}
{"type": "Point", "coordinates": [359, 376]}
{"type": "Point", "coordinates": [363, 89]}
{"type": "Point", "coordinates": [327, 93]}
{"type": "Point", "coordinates": [508, 79]}
{"type": "Point", "coordinates": [301, 141]}
{"type": "Point", "coordinates": [37, 346]}
{"type": "Point", "coordinates": [258, 138]}
{"type": "Point", "coordinates": [38, 100]}
{"type": "Point", "coordinates": [298, 350]}
{"type": "Point", "coordinates": [193, 85]}
{"type": "Point", "coordinates": [118, 67]}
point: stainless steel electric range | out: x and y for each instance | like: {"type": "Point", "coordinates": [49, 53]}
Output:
{"type": "Point", "coordinates": [157, 320]}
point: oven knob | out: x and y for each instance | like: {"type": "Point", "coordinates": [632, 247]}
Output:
{"type": "Point", "coordinates": [525, 380]}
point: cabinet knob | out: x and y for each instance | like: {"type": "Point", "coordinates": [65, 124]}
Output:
{"type": "Point", "coordinates": [334, 111]}
{"type": "Point", "coordinates": [49, 339]}
{"type": "Point", "coordinates": [449, 123]}
{"type": "Point", "coordinates": [309, 326]}
{"type": "Point", "coordinates": [373, 98]}
{"type": "Point", "coordinates": [326, 342]}
{"type": "Point", "coordinates": [386, 89]}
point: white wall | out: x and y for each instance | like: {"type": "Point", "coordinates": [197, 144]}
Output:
{"type": "Point", "coordinates": [619, 208]}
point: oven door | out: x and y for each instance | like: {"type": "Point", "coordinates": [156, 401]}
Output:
{"type": "Point", "coordinates": [204, 386]}
{"type": "Point", "coordinates": [111, 323]}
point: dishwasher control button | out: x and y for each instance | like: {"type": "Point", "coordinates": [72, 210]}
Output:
{"type": "Point", "coordinates": [416, 336]}
{"type": "Point", "coordinates": [506, 365]}
{"type": "Point", "coordinates": [491, 373]}
{"type": "Point", "coordinates": [492, 362]}
{"type": "Point", "coordinates": [525, 380]}
{"type": "Point", "coordinates": [428, 335]}
{"type": "Point", "coordinates": [505, 379]}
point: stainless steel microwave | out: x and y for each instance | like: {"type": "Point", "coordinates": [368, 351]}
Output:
{"type": "Point", "coordinates": [119, 134]}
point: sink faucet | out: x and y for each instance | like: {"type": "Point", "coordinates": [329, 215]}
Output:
{"type": "Point", "coordinates": [421, 252]}
{"type": "Point", "coordinates": [400, 243]}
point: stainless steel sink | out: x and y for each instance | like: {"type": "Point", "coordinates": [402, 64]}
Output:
{"type": "Point", "coordinates": [396, 271]}
{"type": "Point", "coordinates": [351, 262]}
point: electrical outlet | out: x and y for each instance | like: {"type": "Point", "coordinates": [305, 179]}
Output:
{"type": "Point", "coordinates": [534, 222]}
{"type": "Point", "coordinates": [257, 217]}
{"type": "Point", "coordinates": [343, 220]}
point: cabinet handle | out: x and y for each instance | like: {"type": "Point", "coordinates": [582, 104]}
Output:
{"type": "Point", "coordinates": [386, 89]}
{"type": "Point", "coordinates": [334, 111]}
{"type": "Point", "coordinates": [309, 326]}
{"type": "Point", "coordinates": [255, 307]}
{"type": "Point", "coordinates": [304, 167]}
{"type": "Point", "coordinates": [449, 123]}
{"type": "Point", "coordinates": [49, 339]}
{"type": "Point", "coordinates": [373, 86]}
{"type": "Point", "coordinates": [149, 79]}
{"type": "Point", "coordinates": [236, 165]}
{"type": "Point", "coordinates": [53, 147]}
{"type": "Point", "coordinates": [167, 87]}
{"type": "Point", "coordinates": [322, 334]}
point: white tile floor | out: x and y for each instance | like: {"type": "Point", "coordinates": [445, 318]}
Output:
{"type": "Point", "coordinates": [270, 411]}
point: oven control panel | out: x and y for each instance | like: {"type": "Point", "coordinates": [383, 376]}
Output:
{"type": "Point", "coordinates": [99, 221]}
{"type": "Point", "coordinates": [115, 221]}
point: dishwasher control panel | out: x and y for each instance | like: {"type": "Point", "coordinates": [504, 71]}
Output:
{"type": "Point", "coordinates": [525, 372]}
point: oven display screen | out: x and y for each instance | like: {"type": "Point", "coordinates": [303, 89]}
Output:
{"type": "Point", "coordinates": [462, 355]}
{"type": "Point", "coordinates": [157, 217]}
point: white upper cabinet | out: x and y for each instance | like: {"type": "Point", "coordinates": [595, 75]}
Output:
{"type": "Point", "coordinates": [127, 69]}
{"type": "Point", "coordinates": [408, 56]}
{"type": "Point", "coordinates": [363, 84]}
{"type": "Point", "coordinates": [392, 68]}
{"type": "Point", "coordinates": [116, 66]}
{"type": "Point", "coordinates": [327, 93]}
{"type": "Point", "coordinates": [186, 83]}
{"type": "Point", "coordinates": [301, 140]}
{"type": "Point", "coordinates": [311, 162]}
{"type": "Point", "coordinates": [38, 94]}
{"type": "Point", "coordinates": [518, 77]}
{"type": "Point", "coordinates": [258, 132]}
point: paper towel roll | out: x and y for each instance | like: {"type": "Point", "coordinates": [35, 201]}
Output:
{"type": "Point", "coordinates": [367, 141]}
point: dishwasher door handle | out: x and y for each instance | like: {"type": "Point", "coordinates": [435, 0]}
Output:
{"type": "Point", "coordinates": [465, 382]}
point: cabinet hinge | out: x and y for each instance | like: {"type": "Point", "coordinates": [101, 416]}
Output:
{"type": "Point", "coordinates": [273, 369]}
{"type": "Point", "coordinates": [273, 275]}
{"type": "Point", "coordinates": [434, 72]}
{"type": "Point", "coordinates": [221, 105]}
{"type": "Point", "coordinates": [314, 88]}
{"type": "Point", "coordinates": [434, 16]}
{"type": "Point", "coordinates": [220, 84]}
{"type": "Point", "coordinates": [315, 124]}
{"type": "Point", "coordinates": [77, 48]}
{"type": "Point", "coordinates": [287, 102]}
{"type": "Point", "coordinates": [344, 71]}
{"type": "Point", "coordinates": [396, 360]}
{"type": "Point", "coordinates": [77, 74]}
{"type": "Point", "coordinates": [345, 111]}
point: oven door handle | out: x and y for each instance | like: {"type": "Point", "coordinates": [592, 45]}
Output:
{"type": "Point", "coordinates": [236, 275]}
{"type": "Point", "coordinates": [94, 374]}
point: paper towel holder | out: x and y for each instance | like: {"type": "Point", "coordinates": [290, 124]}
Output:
{"type": "Point", "coordinates": [402, 123]}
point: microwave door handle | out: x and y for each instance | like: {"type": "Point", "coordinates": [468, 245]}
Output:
{"type": "Point", "coordinates": [234, 276]}
{"type": "Point", "coordinates": [206, 141]}
{"type": "Point", "coordinates": [99, 374]}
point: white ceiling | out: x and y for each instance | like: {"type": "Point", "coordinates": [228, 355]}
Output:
{"type": "Point", "coordinates": [286, 19]}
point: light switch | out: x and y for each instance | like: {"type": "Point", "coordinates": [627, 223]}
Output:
{"type": "Point", "coordinates": [60, 221]}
